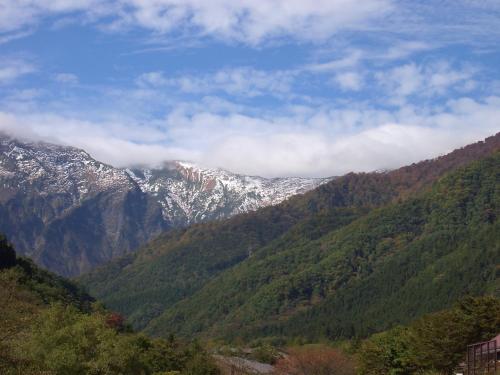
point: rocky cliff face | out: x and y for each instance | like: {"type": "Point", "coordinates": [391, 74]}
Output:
{"type": "Point", "coordinates": [191, 194]}
{"type": "Point", "coordinates": [70, 212]}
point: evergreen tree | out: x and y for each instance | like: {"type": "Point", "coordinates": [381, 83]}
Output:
{"type": "Point", "coordinates": [7, 254]}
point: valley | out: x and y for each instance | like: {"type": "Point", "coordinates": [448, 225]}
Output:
{"type": "Point", "coordinates": [379, 257]}
{"type": "Point", "coordinates": [249, 187]}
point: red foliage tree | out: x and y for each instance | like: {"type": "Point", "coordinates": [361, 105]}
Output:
{"type": "Point", "coordinates": [116, 321]}
{"type": "Point", "coordinates": [315, 361]}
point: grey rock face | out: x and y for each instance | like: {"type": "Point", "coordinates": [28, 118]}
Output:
{"type": "Point", "coordinates": [68, 211]}
{"type": "Point", "coordinates": [71, 213]}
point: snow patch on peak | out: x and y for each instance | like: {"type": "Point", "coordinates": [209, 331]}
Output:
{"type": "Point", "coordinates": [49, 168]}
{"type": "Point", "coordinates": [189, 193]}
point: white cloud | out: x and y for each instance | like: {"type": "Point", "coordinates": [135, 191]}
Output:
{"type": "Point", "coordinates": [14, 36]}
{"type": "Point", "coordinates": [424, 80]}
{"type": "Point", "coordinates": [20, 14]}
{"type": "Point", "coordinates": [304, 141]}
{"type": "Point", "coordinates": [347, 140]}
{"type": "Point", "coordinates": [403, 80]}
{"type": "Point", "coordinates": [253, 21]}
{"type": "Point", "coordinates": [404, 49]}
{"type": "Point", "coordinates": [66, 78]}
{"type": "Point", "coordinates": [349, 81]}
{"type": "Point", "coordinates": [249, 21]}
{"type": "Point", "coordinates": [154, 79]}
{"type": "Point", "coordinates": [354, 58]}
{"type": "Point", "coordinates": [258, 21]}
{"type": "Point", "coordinates": [10, 70]}
{"type": "Point", "coordinates": [350, 60]}
{"type": "Point", "coordinates": [118, 144]}
{"type": "Point", "coordinates": [243, 81]}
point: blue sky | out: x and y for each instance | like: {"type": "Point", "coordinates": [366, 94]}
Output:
{"type": "Point", "coordinates": [267, 87]}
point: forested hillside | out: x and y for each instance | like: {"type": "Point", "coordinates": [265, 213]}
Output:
{"type": "Point", "coordinates": [50, 326]}
{"type": "Point", "coordinates": [390, 266]}
{"type": "Point", "coordinates": [366, 246]}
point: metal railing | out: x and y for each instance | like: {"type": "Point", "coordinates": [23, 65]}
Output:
{"type": "Point", "coordinates": [483, 358]}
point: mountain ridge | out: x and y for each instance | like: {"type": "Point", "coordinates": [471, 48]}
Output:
{"type": "Point", "coordinates": [70, 212]}
{"type": "Point", "coordinates": [190, 194]}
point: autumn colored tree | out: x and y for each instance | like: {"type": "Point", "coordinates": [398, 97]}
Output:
{"type": "Point", "coordinates": [115, 321]}
{"type": "Point", "coordinates": [317, 360]}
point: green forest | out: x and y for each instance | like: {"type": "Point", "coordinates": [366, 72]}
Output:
{"type": "Point", "coordinates": [349, 259]}
{"type": "Point", "coordinates": [50, 326]}
{"type": "Point", "coordinates": [390, 266]}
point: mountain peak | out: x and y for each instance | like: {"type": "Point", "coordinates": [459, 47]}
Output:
{"type": "Point", "coordinates": [190, 193]}
{"type": "Point", "coordinates": [55, 199]}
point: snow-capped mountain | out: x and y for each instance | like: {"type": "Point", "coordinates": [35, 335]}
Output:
{"type": "Point", "coordinates": [189, 193]}
{"type": "Point", "coordinates": [49, 169]}
{"type": "Point", "coordinates": [68, 211]}
{"type": "Point", "coordinates": [71, 212]}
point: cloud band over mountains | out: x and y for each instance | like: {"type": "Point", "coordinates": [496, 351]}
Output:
{"type": "Point", "coordinates": [263, 87]}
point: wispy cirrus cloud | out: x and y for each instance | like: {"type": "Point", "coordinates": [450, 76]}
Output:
{"type": "Point", "coordinates": [351, 59]}
{"type": "Point", "coordinates": [350, 73]}
{"type": "Point", "coordinates": [404, 49]}
{"type": "Point", "coordinates": [428, 80]}
{"type": "Point", "coordinates": [12, 69]}
{"type": "Point", "coordinates": [253, 21]}
{"type": "Point", "coordinates": [66, 78]}
{"type": "Point", "coordinates": [16, 15]}
{"type": "Point", "coordinates": [349, 81]}
{"type": "Point", "coordinates": [248, 21]}
{"type": "Point", "coordinates": [256, 22]}
{"type": "Point", "coordinates": [244, 81]}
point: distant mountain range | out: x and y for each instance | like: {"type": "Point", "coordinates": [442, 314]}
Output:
{"type": "Point", "coordinates": [70, 212]}
{"type": "Point", "coordinates": [354, 256]}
